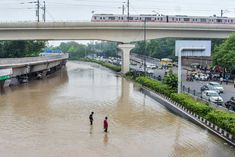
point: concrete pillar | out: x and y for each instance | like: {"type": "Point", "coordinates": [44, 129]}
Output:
{"type": "Point", "coordinates": [2, 86]}
{"type": "Point", "coordinates": [126, 48]}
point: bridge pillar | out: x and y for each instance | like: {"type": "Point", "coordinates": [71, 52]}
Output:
{"type": "Point", "coordinates": [1, 86]}
{"type": "Point", "coordinates": [126, 48]}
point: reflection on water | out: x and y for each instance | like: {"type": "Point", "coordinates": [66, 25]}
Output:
{"type": "Point", "coordinates": [50, 118]}
{"type": "Point", "coordinates": [106, 139]}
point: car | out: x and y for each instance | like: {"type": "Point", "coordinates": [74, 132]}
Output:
{"type": "Point", "coordinates": [212, 96]}
{"type": "Point", "coordinates": [216, 86]}
{"type": "Point", "coordinates": [152, 66]}
{"type": "Point", "coordinates": [201, 77]}
{"type": "Point", "coordinates": [195, 66]}
{"type": "Point", "coordinates": [206, 87]}
{"type": "Point", "coordinates": [230, 104]}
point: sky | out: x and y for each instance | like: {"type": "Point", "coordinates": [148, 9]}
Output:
{"type": "Point", "coordinates": [81, 10]}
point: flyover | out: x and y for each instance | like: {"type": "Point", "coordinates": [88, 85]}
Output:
{"type": "Point", "coordinates": [124, 33]}
{"type": "Point", "coordinates": [22, 69]}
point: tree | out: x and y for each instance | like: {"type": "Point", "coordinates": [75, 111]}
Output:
{"type": "Point", "coordinates": [77, 50]}
{"type": "Point", "coordinates": [224, 54]}
{"type": "Point", "coordinates": [171, 79]}
{"type": "Point", "coordinates": [9, 49]}
{"type": "Point", "coordinates": [158, 48]}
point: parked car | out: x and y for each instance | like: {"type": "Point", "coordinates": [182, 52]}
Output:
{"type": "Point", "coordinates": [230, 104]}
{"type": "Point", "coordinates": [216, 86]}
{"type": "Point", "coordinates": [206, 87]}
{"type": "Point", "coordinates": [212, 96]}
{"type": "Point", "coordinates": [201, 77]}
{"type": "Point", "coordinates": [195, 66]}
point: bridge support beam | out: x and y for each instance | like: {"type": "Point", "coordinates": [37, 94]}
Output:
{"type": "Point", "coordinates": [126, 48]}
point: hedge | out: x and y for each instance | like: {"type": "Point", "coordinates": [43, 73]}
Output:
{"type": "Point", "coordinates": [202, 109]}
{"type": "Point", "coordinates": [157, 86]}
{"type": "Point", "coordinates": [107, 65]}
{"type": "Point", "coordinates": [220, 118]}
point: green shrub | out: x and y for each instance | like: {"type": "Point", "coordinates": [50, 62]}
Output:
{"type": "Point", "coordinates": [107, 65]}
{"type": "Point", "coordinates": [190, 103]}
{"type": "Point", "coordinates": [171, 80]}
{"type": "Point", "coordinates": [222, 119]}
{"type": "Point", "coordinates": [155, 85]}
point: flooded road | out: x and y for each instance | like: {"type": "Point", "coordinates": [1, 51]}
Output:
{"type": "Point", "coordinates": [49, 118]}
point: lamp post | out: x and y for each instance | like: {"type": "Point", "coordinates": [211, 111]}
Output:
{"type": "Point", "coordinates": [145, 46]}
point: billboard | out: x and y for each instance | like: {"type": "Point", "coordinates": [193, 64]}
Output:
{"type": "Point", "coordinates": [193, 47]}
{"type": "Point", "coordinates": [5, 73]}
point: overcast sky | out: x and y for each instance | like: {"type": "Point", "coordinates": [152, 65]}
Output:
{"type": "Point", "coordinates": [75, 10]}
{"type": "Point", "coordinates": [80, 10]}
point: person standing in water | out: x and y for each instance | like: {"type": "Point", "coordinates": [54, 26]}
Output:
{"type": "Point", "coordinates": [91, 118]}
{"type": "Point", "coordinates": [106, 125]}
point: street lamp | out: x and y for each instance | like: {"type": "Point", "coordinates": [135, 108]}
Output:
{"type": "Point", "coordinates": [145, 45]}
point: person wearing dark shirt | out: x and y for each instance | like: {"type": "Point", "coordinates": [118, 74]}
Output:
{"type": "Point", "coordinates": [91, 118]}
{"type": "Point", "coordinates": [106, 124]}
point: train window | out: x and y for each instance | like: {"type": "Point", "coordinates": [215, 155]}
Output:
{"type": "Point", "coordinates": [219, 20]}
{"type": "Point", "coordinates": [186, 19]}
{"type": "Point", "coordinates": [161, 18]}
{"type": "Point", "coordinates": [111, 18]}
{"type": "Point", "coordinates": [95, 17]}
{"type": "Point", "coordinates": [158, 19]}
{"type": "Point", "coordinates": [173, 19]}
{"type": "Point", "coordinates": [100, 18]}
{"type": "Point", "coordinates": [148, 18]}
{"type": "Point", "coordinates": [203, 20]}
{"type": "Point", "coordinates": [130, 18]}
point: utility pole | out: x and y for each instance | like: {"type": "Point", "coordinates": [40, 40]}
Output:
{"type": "Point", "coordinates": [123, 9]}
{"type": "Point", "coordinates": [128, 9]}
{"type": "Point", "coordinates": [37, 11]}
{"type": "Point", "coordinates": [44, 11]}
{"type": "Point", "coordinates": [222, 13]}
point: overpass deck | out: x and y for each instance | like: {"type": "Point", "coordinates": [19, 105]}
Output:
{"type": "Point", "coordinates": [19, 62]}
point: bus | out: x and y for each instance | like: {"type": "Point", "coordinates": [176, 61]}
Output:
{"type": "Point", "coordinates": [166, 62]}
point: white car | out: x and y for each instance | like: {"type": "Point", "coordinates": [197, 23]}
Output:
{"type": "Point", "coordinates": [212, 96]}
{"type": "Point", "coordinates": [201, 77]}
{"type": "Point", "coordinates": [216, 86]}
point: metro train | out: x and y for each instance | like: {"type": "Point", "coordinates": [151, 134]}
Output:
{"type": "Point", "coordinates": [162, 19]}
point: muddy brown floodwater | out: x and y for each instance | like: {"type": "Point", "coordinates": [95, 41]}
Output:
{"type": "Point", "coordinates": [49, 118]}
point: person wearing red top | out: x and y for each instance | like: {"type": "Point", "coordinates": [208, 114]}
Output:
{"type": "Point", "coordinates": [106, 125]}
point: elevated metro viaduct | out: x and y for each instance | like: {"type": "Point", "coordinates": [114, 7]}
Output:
{"type": "Point", "coordinates": [124, 33]}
